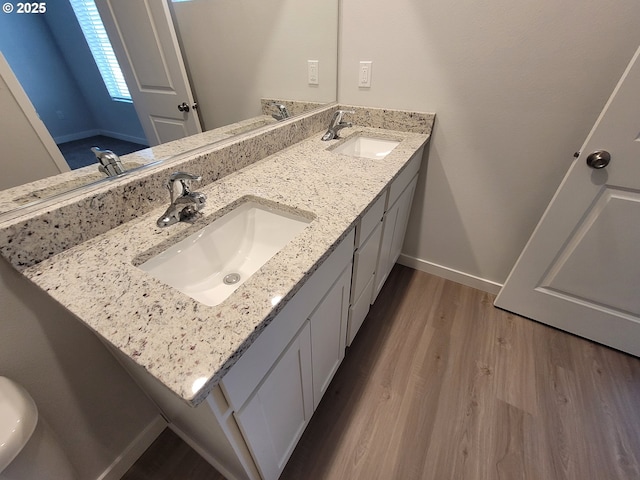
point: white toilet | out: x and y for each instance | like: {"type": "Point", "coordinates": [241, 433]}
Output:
{"type": "Point", "coordinates": [28, 448]}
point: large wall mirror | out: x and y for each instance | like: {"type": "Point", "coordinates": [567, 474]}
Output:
{"type": "Point", "coordinates": [233, 53]}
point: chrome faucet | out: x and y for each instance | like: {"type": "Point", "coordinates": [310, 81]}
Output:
{"type": "Point", "coordinates": [110, 163]}
{"type": "Point", "coordinates": [284, 113]}
{"type": "Point", "coordinates": [336, 125]}
{"type": "Point", "coordinates": [184, 202]}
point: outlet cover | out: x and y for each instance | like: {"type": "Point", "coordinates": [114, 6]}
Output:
{"type": "Point", "coordinates": [312, 72]}
{"type": "Point", "coordinates": [364, 74]}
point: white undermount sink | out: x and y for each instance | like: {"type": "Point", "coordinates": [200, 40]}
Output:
{"type": "Point", "coordinates": [366, 147]}
{"type": "Point", "coordinates": [212, 263]}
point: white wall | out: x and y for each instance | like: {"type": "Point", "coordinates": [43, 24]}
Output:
{"type": "Point", "coordinates": [34, 155]}
{"type": "Point", "coordinates": [516, 87]}
{"type": "Point", "coordinates": [90, 402]}
{"type": "Point", "coordinates": [238, 51]}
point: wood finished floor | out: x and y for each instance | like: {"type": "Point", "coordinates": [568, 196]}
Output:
{"type": "Point", "coordinates": [441, 385]}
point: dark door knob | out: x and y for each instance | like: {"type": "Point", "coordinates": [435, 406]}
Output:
{"type": "Point", "coordinates": [599, 159]}
{"type": "Point", "coordinates": [183, 107]}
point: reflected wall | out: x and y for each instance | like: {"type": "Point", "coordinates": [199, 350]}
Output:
{"type": "Point", "coordinates": [238, 52]}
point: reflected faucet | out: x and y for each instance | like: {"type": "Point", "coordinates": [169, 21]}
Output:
{"type": "Point", "coordinates": [284, 113]}
{"type": "Point", "coordinates": [184, 203]}
{"type": "Point", "coordinates": [336, 125]}
{"type": "Point", "coordinates": [110, 163]}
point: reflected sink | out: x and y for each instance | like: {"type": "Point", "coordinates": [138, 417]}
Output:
{"type": "Point", "coordinates": [366, 147]}
{"type": "Point", "coordinates": [212, 263]}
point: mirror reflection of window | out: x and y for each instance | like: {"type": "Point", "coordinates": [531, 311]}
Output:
{"type": "Point", "coordinates": [101, 48]}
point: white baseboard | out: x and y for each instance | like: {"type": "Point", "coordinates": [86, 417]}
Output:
{"type": "Point", "coordinates": [202, 452]}
{"type": "Point", "coordinates": [92, 133]}
{"type": "Point", "coordinates": [76, 136]}
{"type": "Point", "coordinates": [134, 450]}
{"type": "Point", "coordinates": [450, 274]}
{"type": "Point", "coordinates": [124, 137]}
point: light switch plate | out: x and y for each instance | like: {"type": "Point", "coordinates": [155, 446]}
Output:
{"type": "Point", "coordinates": [364, 74]}
{"type": "Point", "coordinates": [312, 72]}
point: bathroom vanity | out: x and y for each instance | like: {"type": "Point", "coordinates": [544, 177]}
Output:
{"type": "Point", "coordinates": [240, 380]}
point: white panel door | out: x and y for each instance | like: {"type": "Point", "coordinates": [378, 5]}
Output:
{"type": "Point", "coordinates": [145, 42]}
{"type": "Point", "coordinates": [580, 270]}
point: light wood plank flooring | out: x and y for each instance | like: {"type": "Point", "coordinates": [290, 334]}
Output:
{"type": "Point", "coordinates": [441, 385]}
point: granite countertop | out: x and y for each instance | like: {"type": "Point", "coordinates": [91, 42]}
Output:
{"type": "Point", "coordinates": [189, 346]}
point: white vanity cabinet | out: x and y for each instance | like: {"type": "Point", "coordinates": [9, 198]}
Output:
{"type": "Point", "coordinates": [274, 417]}
{"type": "Point", "coordinates": [395, 220]}
{"type": "Point", "coordinates": [276, 414]}
{"type": "Point", "coordinates": [275, 386]}
{"type": "Point", "coordinates": [252, 420]}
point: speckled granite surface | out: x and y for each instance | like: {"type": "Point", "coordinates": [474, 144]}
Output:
{"type": "Point", "coordinates": [179, 340]}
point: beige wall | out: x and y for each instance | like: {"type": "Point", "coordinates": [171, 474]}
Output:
{"type": "Point", "coordinates": [238, 51]}
{"type": "Point", "coordinates": [516, 87]}
{"type": "Point", "coordinates": [85, 395]}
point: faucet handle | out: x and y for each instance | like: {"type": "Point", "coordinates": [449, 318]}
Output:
{"type": "Point", "coordinates": [284, 113]}
{"type": "Point", "coordinates": [340, 113]}
{"type": "Point", "coordinates": [337, 116]}
{"type": "Point", "coordinates": [184, 176]}
{"type": "Point", "coordinates": [178, 184]}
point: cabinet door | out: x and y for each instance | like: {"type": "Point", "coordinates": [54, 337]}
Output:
{"type": "Point", "coordinates": [328, 334]}
{"type": "Point", "coordinates": [274, 418]}
{"type": "Point", "coordinates": [404, 208]}
{"type": "Point", "coordinates": [383, 266]}
{"type": "Point", "coordinates": [393, 229]}
{"type": "Point", "coordinates": [358, 311]}
{"type": "Point", "coordinates": [365, 262]}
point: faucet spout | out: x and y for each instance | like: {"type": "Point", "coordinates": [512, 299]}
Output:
{"type": "Point", "coordinates": [184, 203]}
{"type": "Point", "coordinates": [110, 163]}
{"type": "Point", "coordinates": [336, 125]}
{"type": "Point", "coordinates": [282, 109]}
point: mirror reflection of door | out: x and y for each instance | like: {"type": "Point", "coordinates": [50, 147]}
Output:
{"type": "Point", "coordinates": [146, 43]}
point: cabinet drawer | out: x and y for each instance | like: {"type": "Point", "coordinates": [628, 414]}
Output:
{"type": "Point", "coordinates": [254, 364]}
{"type": "Point", "coordinates": [364, 262]}
{"type": "Point", "coordinates": [401, 182]}
{"type": "Point", "coordinates": [359, 310]}
{"type": "Point", "coordinates": [370, 220]}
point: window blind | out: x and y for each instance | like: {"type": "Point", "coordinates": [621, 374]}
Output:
{"type": "Point", "coordinates": [101, 48]}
